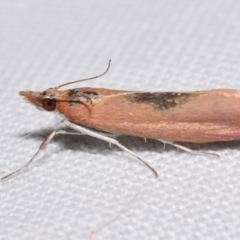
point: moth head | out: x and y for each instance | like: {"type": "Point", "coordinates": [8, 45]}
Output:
{"type": "Point", "coordinates": [42, 100]}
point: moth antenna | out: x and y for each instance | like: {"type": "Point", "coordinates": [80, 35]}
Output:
{"type": "Point", "coordinates": [86, 79]}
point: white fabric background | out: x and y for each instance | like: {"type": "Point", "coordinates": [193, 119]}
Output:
{"type": "Point", "coordinates": [80, 183]}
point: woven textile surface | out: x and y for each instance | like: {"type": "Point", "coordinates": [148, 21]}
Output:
{"type": "Point", "coordinates": [79, 183]}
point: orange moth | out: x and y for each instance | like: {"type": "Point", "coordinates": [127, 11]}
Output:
{"type": "Point", "coordinates": [198, 117]}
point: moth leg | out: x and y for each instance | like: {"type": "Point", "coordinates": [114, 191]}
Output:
{"type": "Point", "coordinates": [107, 134]}
{"type": "Point", "coordinates": [111, 135]}
{"type": "Point", "coordinates": [42, 147]}
{"type": "Point", "coordinates": [185, 149]}
{"type": "Point", "coordinates": [105, 138]}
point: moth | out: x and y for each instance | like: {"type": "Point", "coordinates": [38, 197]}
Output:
{"type": "Point", "coordinates": [197, 117]}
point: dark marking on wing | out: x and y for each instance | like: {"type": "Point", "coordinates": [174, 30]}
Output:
{"type": "Point", "coordinates": [160, 101]}
{"type": "Point", "coordinates": [81, 97]}
{"type": "Point", "coordinates": [91, 93]}
{"type": "Point", "coordinates": [73, 92]}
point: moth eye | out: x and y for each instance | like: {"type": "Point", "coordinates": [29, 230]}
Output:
{"type": "Point", "coordinates": [49, 104]}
